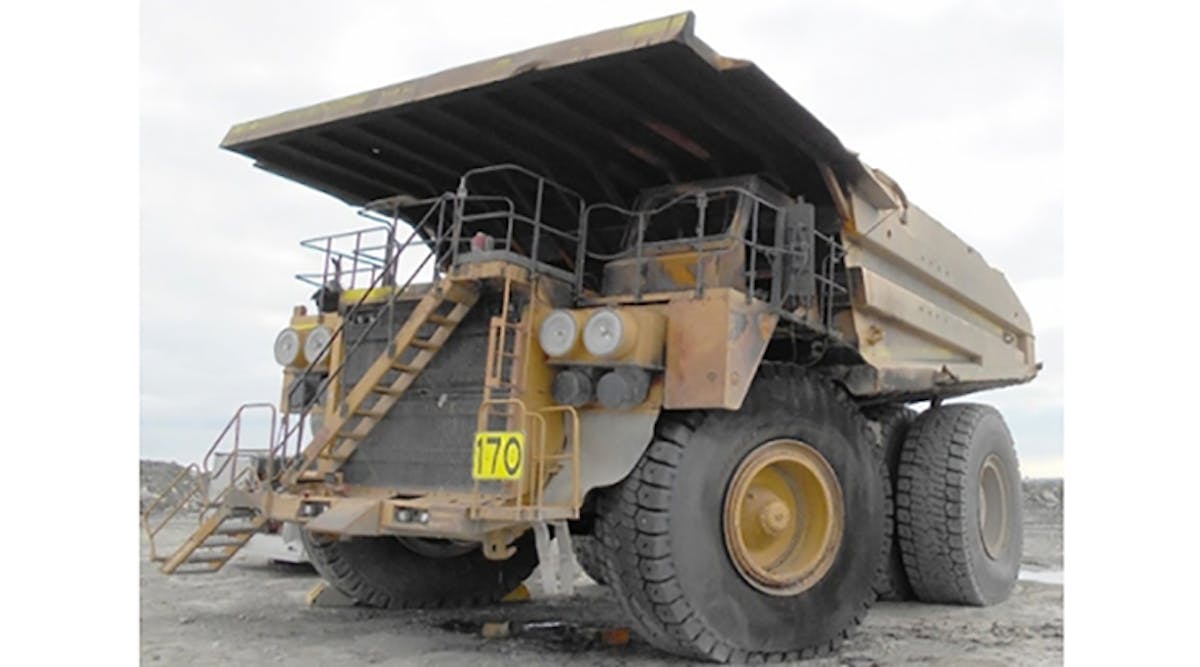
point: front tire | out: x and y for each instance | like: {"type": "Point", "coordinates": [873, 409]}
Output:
{"type": "Point", "coordinates": [398, 573]}
{"type": "Point", "coordinates": [675, 561]}
{"type": "Point", "coordinates": [589, 553]}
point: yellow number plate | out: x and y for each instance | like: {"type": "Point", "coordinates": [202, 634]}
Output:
{"type": "Point", "coordinates": [498, 455]}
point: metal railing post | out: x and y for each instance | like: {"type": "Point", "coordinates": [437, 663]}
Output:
{"type": "Point", "coordinates": [641, 234]}
{"type": "Point", "coordinates": [701, 213]}
{"type": "Point", "coordinates": [580, 253]}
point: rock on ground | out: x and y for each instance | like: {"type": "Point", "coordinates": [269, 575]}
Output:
{"type": "Point", "coordinates": [157, 476]}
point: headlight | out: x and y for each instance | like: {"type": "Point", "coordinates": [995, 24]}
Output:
{"type": "Point", "coordinates": [558, 333]}
{"type": "Point", "coordinates": [287, 347]}
{"type": "Point", "coordinates": [315, 344]}
{"type": "Point", "coordinates": [605, 333]}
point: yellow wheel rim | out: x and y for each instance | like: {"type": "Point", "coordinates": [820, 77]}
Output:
{"type": "Point", "coordinates": [783, 519]}
{"type": "Point", "coordinates": [993, 507]}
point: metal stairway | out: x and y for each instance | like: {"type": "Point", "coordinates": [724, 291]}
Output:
{"type": "Point", "coordinates": [231, 519]}
{"type": "Point", "coordinates": [226, 521]}
{"type": "Point", "coordinates": [441, 309]}
{"type": "Point", "coordinates": [215, 542]}
{"type": "Point", "coordinates": [221, 535]}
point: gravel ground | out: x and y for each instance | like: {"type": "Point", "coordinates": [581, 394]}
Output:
{"type": "Point", "coordinates": [255, 613]}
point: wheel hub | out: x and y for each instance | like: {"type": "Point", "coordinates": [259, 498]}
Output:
{"type": "Point", "coordinates": [993, 507]}
{"type": "Point", "coordinates": [783, 517]}
{"type": "Point", "coordinates": [775, 517]}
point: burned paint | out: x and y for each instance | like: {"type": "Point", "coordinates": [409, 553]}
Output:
{"type": "Point", "coordinates": [714, 371]}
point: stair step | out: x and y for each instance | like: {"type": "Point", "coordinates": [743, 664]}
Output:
{"type": "Point", "coordinates": [373, 414]}
{"type": "Point", "coordinates": [424, 344]}
{"type": "Point", "coordinates": [234, 530]}
{"type": "Point", "coordinates": [209, 569]}
{"type": "Point", "coordinates": [222, 543]}
{"type": "Point", "coordinates": [458, 294]}
{"type": "Point", "coordinates": [206, 559]}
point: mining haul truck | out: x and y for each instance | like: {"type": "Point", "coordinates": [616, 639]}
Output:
{"type": "Point", "coordinates": [624, 295]}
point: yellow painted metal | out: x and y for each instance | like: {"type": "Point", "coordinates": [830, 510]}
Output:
{"type": "Point", "coordinates": [719, 263]}
{"type": "Point", "coordinates": [784, 517]}
{"type": "Point", "coordinates": [714, 346]}
{"type": "Point", "coordinates": [927, 310]}
{"type": "Point", "coordinates": [517, 397]}
{"type": "Point", "coordinates": [352, 297]}
{"type": "Point", "coordinates": [210, 528]}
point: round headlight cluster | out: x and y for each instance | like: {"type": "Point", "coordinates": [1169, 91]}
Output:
{"type": "Point", "coordinates": [604, 333]}
{"type": "Point", "coordinates": [287, 347]}
{"type": "Point", "coordinates": [316, 343]}
{"type": "Point", "coordinates": [558, 333]}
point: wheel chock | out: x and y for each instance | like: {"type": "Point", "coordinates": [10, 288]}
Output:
{"type": "Point", "coordinates": [518, 594]}
{"type": "Point", "coordinates": [324, 595]}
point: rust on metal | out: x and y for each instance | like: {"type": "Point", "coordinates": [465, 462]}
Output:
{"type": "Point", "coordinates": [714, 346]}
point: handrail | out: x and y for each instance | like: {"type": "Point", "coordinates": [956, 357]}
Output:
{"type": "Point", "coordinates": [780, 292]}
{"type": "Point", "coordinates": [200, 475]}
{"type": "Point", "coordinates": [323, 386]}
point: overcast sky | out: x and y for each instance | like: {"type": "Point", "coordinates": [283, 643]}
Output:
{"type": "Point", "coordinates": [960, 102]}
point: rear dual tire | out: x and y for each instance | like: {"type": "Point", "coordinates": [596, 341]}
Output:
{"type": "Point", "coordinates": [893, 422]}
{"type": "Point", "coordinates": [958, 506]}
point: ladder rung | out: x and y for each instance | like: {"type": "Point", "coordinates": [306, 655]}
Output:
{"type": "Point", "coordinates": [405, 368]}
{"type": "Point", "coordinates": [441, 320]}
{"type": "Point", "coordinates": [387, 389]}
{"type": "Point", "coordinates": [352, 435]}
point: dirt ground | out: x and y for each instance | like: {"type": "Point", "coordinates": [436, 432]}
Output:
{"type": "Point", "coordinates": [253, 612]}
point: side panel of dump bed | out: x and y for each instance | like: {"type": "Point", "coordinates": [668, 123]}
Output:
{"type": "Point", "coordinates": [928, 312]}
